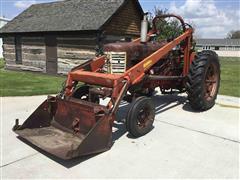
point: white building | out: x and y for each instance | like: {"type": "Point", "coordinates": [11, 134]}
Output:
{"type": "Point", "coordinates": [223, 47]}
{"type": "Point", "coordinates": [3, 21]}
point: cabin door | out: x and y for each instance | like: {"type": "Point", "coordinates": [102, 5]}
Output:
{"type": "Point", "coordinates": [51, 54]}
{"type": "Point", "coordinates": [18, 50]}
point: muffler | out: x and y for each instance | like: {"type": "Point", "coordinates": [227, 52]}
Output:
{"type": "Point", "coordinates": [144, 29]}
{"type": "Point", "coordinates": [68, 128]}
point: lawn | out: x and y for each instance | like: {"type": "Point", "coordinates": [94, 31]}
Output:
{"type": "Point", "coordinates": [230, 76]}
{"type": "Point", "coordinates": [26, 83]}
{"type": "Point", "coordinates": [14, 83]}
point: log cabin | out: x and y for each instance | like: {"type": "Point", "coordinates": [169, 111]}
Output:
{"type": "Point", "coordinates": [54, 37]}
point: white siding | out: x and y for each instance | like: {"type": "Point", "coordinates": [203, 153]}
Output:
{"type": "Point", "coordinates": [225, 51]}
{"type": "Point", "coordinates": [228, 53]}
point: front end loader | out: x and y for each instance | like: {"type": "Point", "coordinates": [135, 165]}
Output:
{"type": "Point", "coordinates": [75, 122]}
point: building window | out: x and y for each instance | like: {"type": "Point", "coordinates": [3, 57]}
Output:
{"type": "Point", "coordinates": [216, 48]}
{"type": "Point", "coordinates": [18, 50]}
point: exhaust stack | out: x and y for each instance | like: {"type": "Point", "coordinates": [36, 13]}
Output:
{"type": "Point", "coordinates": [144, 29]}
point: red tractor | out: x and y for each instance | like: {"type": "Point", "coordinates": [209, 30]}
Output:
{"type": "Point", "coordinates": [75, 123]}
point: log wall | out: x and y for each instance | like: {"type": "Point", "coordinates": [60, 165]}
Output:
{"type": "Point", "coordinates": [73, 51]}
{"type": "Point", "coordinates": [9, 50]}
{"type": "Point", "coordinates": [33, 54]}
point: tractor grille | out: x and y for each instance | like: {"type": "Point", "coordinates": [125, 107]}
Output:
{"type": "Point", "coordinates": [117, 62]}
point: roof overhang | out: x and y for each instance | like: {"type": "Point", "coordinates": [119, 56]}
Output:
{"type": "Point", "coordinates": [55, 33]}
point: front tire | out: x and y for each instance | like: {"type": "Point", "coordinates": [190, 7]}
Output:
{"type": "Point", "coordinates": [140, 117]}
{"type": "Point", "coordinates": [203, 81]}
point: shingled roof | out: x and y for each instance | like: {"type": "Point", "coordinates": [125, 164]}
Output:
{"type": "Point", "coordinates": [68, 15]}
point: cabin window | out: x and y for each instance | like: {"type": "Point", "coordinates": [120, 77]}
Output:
{"type": "Point", "coordinates": [18, 50]}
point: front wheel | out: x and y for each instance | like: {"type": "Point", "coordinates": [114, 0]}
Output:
{"type": "Point", "coordinates": [203, 81]}
{"type": "Point", "coordinates": [140, 117]}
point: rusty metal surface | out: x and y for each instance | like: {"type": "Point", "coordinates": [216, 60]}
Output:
{"type": "Point", "coordinates": [68, 128]}
{"type": "Point", "coordinates": [157, 77]}
{"type": "Point", "coordinates": [135, 51]}
{"type": "Point", "coordinates": [106, 80]}
{"type": "Point", "coordinates": [211, 82]}
{"type": "Point", "coordinates": [52, 140]}
{"type": "Point", "coordinates": [137, 73]}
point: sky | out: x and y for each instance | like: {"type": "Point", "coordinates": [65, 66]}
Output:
{"type": "Point", "coordinates": [211, 18]}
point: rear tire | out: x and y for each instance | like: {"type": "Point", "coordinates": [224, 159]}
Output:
{"type": "Point", "coordinates": [140, 117]}
{"type": "Point", "coordinates": [203, 80]}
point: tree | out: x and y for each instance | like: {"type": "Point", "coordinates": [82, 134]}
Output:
{"type": "Point", "coordinates": [233, 34]}
{"type": "Point", "coordinates": [168, 28]}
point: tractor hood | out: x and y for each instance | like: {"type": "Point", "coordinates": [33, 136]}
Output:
{"type": "Point", "coordinates": [135, 51]}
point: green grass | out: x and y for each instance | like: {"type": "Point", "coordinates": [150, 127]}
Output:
{"type": "Point", "coordinates": [13, 83]}
{"type": "Point", "coordinates": [1, 63]}
{"type": "Point", "coordinates": [230, 76]}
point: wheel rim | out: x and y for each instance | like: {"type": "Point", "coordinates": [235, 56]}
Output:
{"type": "Point", "coordinates": [211, 82]}
{"type": "Point", "coordinates": [144, 117]}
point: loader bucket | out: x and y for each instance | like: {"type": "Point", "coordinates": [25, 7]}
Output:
{"type": "Point", "coordinates": [68, 128]}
